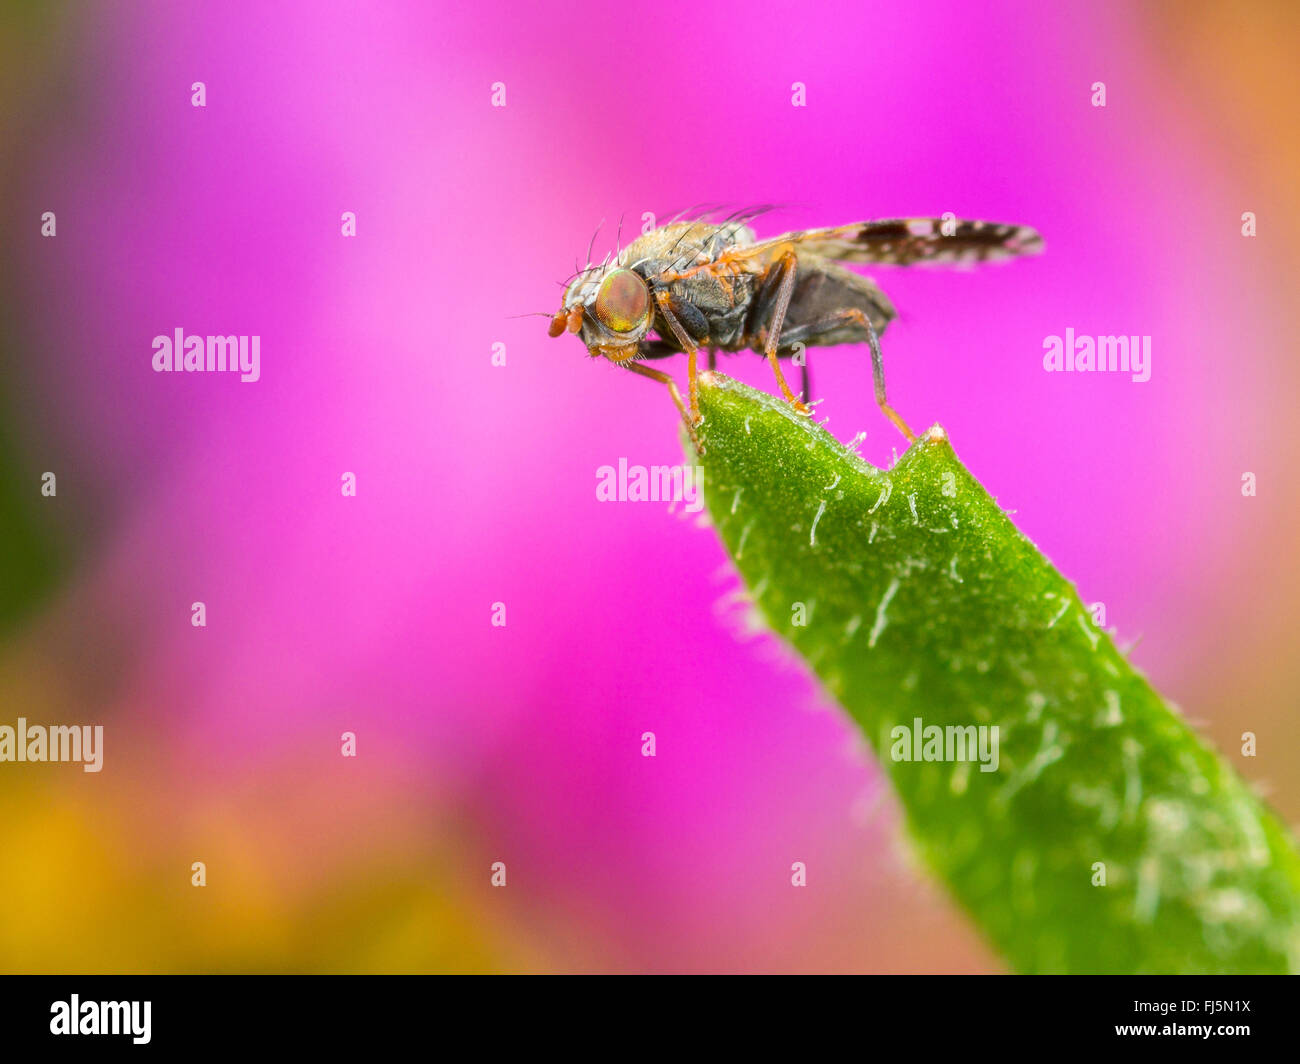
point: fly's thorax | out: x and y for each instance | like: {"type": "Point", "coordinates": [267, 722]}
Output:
{"type": "Point", "coordinates": [712, 293]}
{"type": "Point", "coordinates": [683, 245]}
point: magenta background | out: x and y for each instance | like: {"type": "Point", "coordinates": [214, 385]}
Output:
{"type": "Point", "coordinates": [476, 484]}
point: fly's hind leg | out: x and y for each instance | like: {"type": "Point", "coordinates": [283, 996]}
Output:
{"type": "Point", "coordinates": [808, 334]}
{"type": "Point", "coordinates": [878, 376]}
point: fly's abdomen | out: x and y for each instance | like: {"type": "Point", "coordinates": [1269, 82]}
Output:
{"type": "Point", "coordinates": [822, 292]}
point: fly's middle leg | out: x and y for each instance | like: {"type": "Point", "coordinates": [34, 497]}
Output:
{"type": "Point", "coordinates": [783, 277]}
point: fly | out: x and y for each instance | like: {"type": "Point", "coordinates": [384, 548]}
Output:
{"type": "Point", "coordinates": [692, 286]}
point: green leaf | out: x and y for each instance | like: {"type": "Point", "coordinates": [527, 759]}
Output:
{"type": "Point", "coordinates": [921, 601]}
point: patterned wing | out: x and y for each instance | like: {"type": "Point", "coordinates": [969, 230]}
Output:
{"type": "Point", "coordinates": [916, 241]}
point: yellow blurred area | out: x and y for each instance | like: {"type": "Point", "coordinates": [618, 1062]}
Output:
{"type": "Point", "coordinates": [82, 893]}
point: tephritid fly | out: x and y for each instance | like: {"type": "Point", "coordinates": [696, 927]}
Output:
{"type": "Point", "coordinates": [697, 285]}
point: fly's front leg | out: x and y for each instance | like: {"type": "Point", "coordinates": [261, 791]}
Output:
{"type": "Point", "coordinates": [663, 378]}
{"type": "Point", "coordinates": [784, 273]}
{"type": "Point", "coordinates": [665, 303]}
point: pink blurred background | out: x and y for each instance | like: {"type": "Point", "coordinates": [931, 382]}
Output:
{"type": "Point", "coordinates": [475, 482]}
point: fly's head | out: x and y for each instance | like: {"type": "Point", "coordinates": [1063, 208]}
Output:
{"type": "Point", "coordinates": [610, 308]}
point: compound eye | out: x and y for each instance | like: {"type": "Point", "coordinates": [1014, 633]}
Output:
{"type": "Point", "coordinates": [623, 302]}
